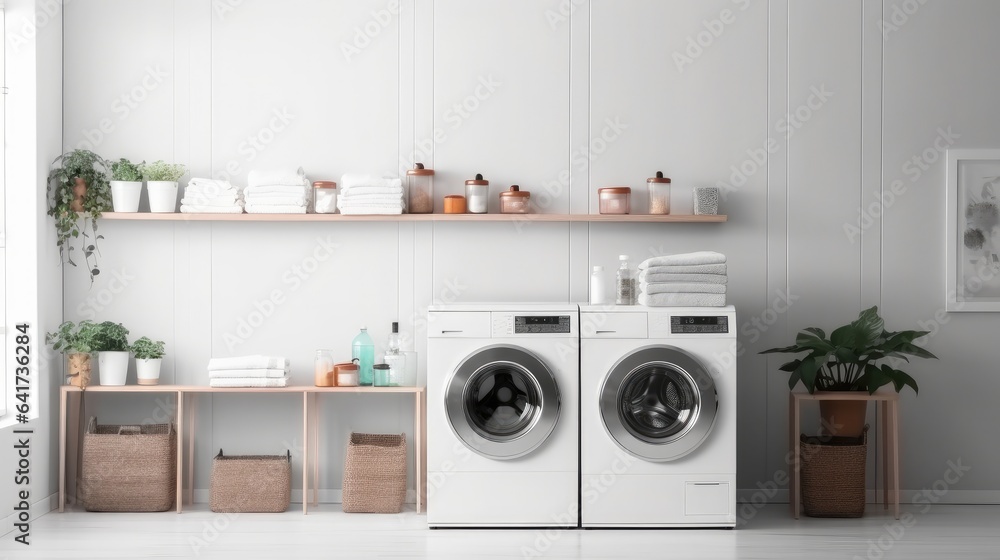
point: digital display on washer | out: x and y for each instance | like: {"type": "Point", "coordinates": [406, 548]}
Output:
{"type": "Point", "coordinates": [699, 325]}
{"type": "Point", "coordinates": [541, 324]}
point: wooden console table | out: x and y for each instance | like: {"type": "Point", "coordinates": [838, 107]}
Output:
{"type": "Point", "coordinates": [310, 429]}
{"type": "Point", "coordinates": [888, 409]}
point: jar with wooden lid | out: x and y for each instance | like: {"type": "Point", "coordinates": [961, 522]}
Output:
{"type": "Point", "coordinates": [325, 201]}
{"type": "Point", "coordinates": [659, 194]}
{"type": "Point", "coordinates": [420, 190]}
{"type": "Point", "coordinates": [514, 201]}
{"type": "Point", "coordinates": [615, 200]}
{"type": "Point", "coordinates": [477, 194]}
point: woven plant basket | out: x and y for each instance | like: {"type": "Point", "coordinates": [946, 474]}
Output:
{"type": "Point", "coordinates": [251, 483]}
{"type": "Point", "coordinates": [833, 475]}
{"type": "Point", "coordinates": [129, 468]}
{"type": "Point", "coordinates": [375, 474]}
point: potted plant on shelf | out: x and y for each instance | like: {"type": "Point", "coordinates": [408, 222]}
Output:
{"type": "Point", "coordinates": [859, 356]}
{"type": "Point", "coordinates": [148, 357]}
{"type": "Point", "coordinates": [126, 185]}
{"type": "Point", "coordinates": [161, 184]}
{"type": "Point", "coordinates": [75, 340]}
{"type": "Point", "coordinates": [111, 344]}
{"type": "Point", "coordinates": [78, 188]}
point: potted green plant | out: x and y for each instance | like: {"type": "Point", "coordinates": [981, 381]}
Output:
{"type": "Point", "coordinates": [111, 344]}
{"type": "Point", "coordinates": [161, 184]}
{"type": "Point", "coordinates": [75, 341]}
{"type": "Point", "coordinates": [78, 188]}
{"type": "Point", "coordinates": [859, 356]}
{"type": "Point", "coordinates": [126, 185]}
{"type": "Point", "coordinates": [148, 357]}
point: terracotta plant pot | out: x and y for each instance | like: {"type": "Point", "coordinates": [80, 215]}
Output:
{"type": "Point", "coordinates": [79, 367]}
{"type": "Point", "coordinates": [843, 418]}
{"type": "Point", "coordinates": [79, 191]}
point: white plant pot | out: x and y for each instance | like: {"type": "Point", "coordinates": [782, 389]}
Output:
{"type": "Point", "coordinates": [162, 196]}
{"type": "Point", "coordinates": [148, 371]}
{"type": "Point", "coordinates": [125, 195]}
{"type": "Point", "coordinates": [113, 367]}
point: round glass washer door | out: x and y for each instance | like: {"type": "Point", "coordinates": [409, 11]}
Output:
{"type": "Point", "coordinates": [502, 402]}
{"type": "Point", "coordinates": [659, 403]}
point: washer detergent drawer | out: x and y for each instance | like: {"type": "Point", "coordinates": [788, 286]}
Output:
{"type": "Point", "coordinates": [445, 324]}
{"type": "Point", "coordinates": [613, 325]}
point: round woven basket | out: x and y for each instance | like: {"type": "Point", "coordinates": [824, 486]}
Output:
{"type": "Point", "coordinates": [833, 475]}
{"type": "Point", "coordinates": [375, 473]}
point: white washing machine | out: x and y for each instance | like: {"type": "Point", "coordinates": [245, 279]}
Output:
{"type": "Point", "coordinates": [658, 416]}
{"type": "Point", "coordinates": [502, 415]}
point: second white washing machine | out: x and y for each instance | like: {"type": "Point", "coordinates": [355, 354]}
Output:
{"type": "Point", "coordinates": [502, 415]}
{"type": "Point", "coordinates": [658, 416]}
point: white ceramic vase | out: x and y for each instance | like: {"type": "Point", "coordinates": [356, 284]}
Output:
{"type": "Point", "coordinates": [162, 196]}
{"type": "Point", "coordinates": [113, 367]}
{"type": "Point", "coordinates": [125, 195]}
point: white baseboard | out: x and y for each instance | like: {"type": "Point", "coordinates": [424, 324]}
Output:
{"type": "Point", "coordinates": [955, 497]}
{"type": "Point", "coordinates": [326, 496]}
{"type": "Point", "coordinates": [38, 509]}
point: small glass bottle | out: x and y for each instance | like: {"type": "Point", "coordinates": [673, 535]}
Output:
{"type": "Point", "coordinates": [598, 287]}
{"type": "Point", "coordinates": [625, 284]}
{"type": "Point", "coordinates": [381, 374]}
{"type": "Point", "coordinates": [420, 187]}
{"type": "Point", "coordinates": [477, 194]}
{"type": "Point", "coordinates": [394, 358]}
{"type": "Point", "coordinates": [363, 350]}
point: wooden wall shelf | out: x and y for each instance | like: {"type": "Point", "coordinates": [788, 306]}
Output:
{"type": "Point", "coordinates": [639, 218]}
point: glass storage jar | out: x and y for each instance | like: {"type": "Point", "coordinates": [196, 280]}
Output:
{"type": "Point", "coordinates": [659, 194]}
{"type": "Point", "coordinates": [324, 369]}
{"type": "Point", "coordinates": [614, 200]}
{"type": "Point", "coordinates": [477, 194]}
{"type": "Point", "coordinates": [514, 201]}
{"type": "Point", "coordinates": [420, 190]}
{"type": "Point", "coordinates": [346, 374]}
{"type": "Point", "coordinates": [382, 374]}
{"type": "Point", "coordinates": [325, 201]}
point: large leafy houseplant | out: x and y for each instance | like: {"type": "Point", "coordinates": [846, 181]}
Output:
{"type": "Point", "coordinates": [76, 341]}
{"type": "Point", "coordinates": [854, 357]}
{"type": "Point", "coordinates": [78, 192]}
{"type": "Point", "coordinates": [111, 337]}
{"type": "Point", "coordinates": [125, 170]}
{"type": "Point", "coordinates": [162, 171]}
{"type": "Point", "coordinates": [147, 349]}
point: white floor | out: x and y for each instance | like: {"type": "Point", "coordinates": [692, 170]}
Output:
{"type": "Point", "coordinates": [942, 532]}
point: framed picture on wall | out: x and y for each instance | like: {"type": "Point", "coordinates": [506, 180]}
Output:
{"type": "Point", "coordinates": [973, 249]}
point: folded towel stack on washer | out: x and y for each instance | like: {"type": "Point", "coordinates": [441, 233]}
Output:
{"type": "Point", "coordinates": [687, 280]}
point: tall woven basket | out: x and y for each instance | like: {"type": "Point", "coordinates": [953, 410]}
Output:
{"type": "Point", "coordinates": [833, 476]}
{"type": "Point", "coordinates": [375, 473]}
{"type": "Point", "coordinates": [251, 483]}
{"type": "Point", "coordinates": [129, 468]}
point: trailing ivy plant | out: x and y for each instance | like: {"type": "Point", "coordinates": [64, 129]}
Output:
{"type": "Point", "coordinates": [147, 349]}
{"type": "Point", "coordinates": [160, 171]}
{"type": "Point", "coordinates": [72, 220]}
{"type": "Point", "coordinates": [125, 170]}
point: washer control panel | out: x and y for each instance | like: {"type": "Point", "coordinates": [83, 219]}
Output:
{"type": "Point", "coordinates": [542, 324]}
{"type": "Point", "coordinates": [689, 324]}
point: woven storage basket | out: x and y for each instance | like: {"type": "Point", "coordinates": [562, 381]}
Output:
{"type": "Point", "coordinates": [833, 476]}
{"type": "Point", "coordinates": [375, 474]}
{"type": "Point", "coordinates": [129, 468]}
{"type": "Point", "coordinates": [251, 483]}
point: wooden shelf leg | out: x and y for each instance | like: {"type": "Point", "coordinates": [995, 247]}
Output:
{"type": "Point", "coordinates": [895, 457]}
{"type": "Point", "coordinates": [305, 453]}
{"type": "Point", "coordinates": [193, 414]}
{"type": "Point", "coordinates": [418, 425]}
{"type": "Point", "coordinates": [884, 424]}
{"type": "Point", "coordinates": [315, 447]}
{"type": "Point", "coordinates": [179, 497]}
{"type": "Point", "coordinates": [62, 448]}
{"type": "Point", "coordinates": [794, 429]}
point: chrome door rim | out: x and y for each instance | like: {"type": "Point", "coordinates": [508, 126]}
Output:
{"type": "Point", "coordinates": [679, 443]}
{"type": "Point", "coordinates": [531, 432]}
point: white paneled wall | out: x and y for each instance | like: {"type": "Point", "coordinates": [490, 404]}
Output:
{"type": "Point", "coordinates": [780, 102]}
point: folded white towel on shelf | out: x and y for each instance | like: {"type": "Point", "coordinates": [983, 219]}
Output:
{"type": "Point", "coordinates": [372, 191]}
{"type": "Point", "coordinates": [257, 382]}
{"type": "Point", "coordinates": [686, 259]}
{"type": "Point", "coordinates": [275, 209]}
{"type": "Point", "coordinates": [281, 190]}
{"type": "Point", "coordinates": [682, 300]}
{"type": "Point", "coordinates": [692, 269]}
{"type": "Point", "coordinates": [207, 201]}
{"type": "Point", "coordinates": [205, 184]}
{"type": "Point", "coordinates": [645, 276]}
{"type": "Point", "coordinates": [398, 197]}
{"type": "Point", "coordinates": [353, 180]}
{"type": "Point", "coordinates": [683, 288]}
{"type": "Point", "coordinates": [278, 200]}
{"type": "Point", "coordinates": [252, 361]}
{"type": "Point", "coordinates": [371, 210]}
{"type": "Point", "coordinates": [279, 176]}
{"type": "Point", "coordinates": [197, 209]}
{"type": "Point", "coordinates": [247, 373]}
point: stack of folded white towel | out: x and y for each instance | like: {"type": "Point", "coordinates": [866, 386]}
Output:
{"type": "Point", "coordinates": [248, 371]}
{"type": "Point", "coordinates": [279, 191]}
{"type": "Point", "coordinates": [211, 196]}
{"type": "Point", "coordinates": [365, 194]}
{"type": "Point", "coordinates": [688, 280]}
